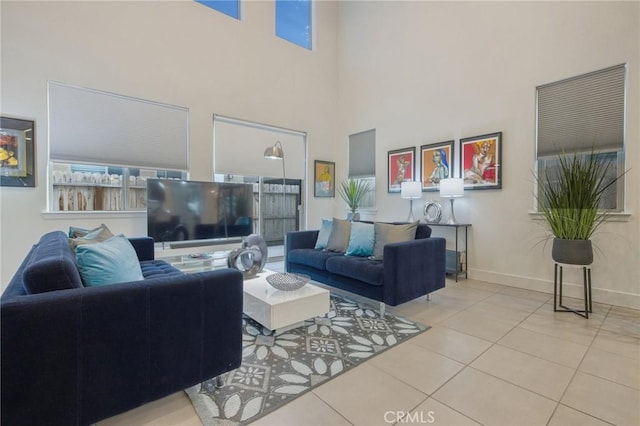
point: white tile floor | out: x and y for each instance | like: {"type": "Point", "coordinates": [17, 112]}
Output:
{"type": "Point", "coordinates": [496, 355]}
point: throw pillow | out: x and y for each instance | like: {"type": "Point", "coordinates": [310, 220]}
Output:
{"type": "Point", "coordinates": [339, 237]}
{"type": "Point", "coordinates": [361, 239]}
{"type": "Point", "coordinates": [323, 234]}
{"type": "Point", "coordinates": [108, 262]}
{"type": "Point", "coordinates": [386, 233]}
{"type": "Point", "coordinates": [97, 235]}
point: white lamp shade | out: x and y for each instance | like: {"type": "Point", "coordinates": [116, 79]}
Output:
{"type": "Point", "coordinates": [452, 187]}
{"type": "Point", "coordinates": [411, 190]}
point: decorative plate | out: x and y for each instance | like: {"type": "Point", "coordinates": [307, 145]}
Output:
{"type": "Point", "coordinates": [432, 211]}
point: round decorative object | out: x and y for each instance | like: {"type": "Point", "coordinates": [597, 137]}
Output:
{"type": "Point", "coordinates": [251, 257]}
{"type": "Point", "coordinates": [287, 281]}
{"type": "Point", "coordinates": [432, 211]}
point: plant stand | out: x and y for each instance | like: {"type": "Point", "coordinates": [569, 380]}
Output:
{"type": "Point", "coordinates": [557, 289]}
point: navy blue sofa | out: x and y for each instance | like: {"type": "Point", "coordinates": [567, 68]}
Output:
{"type": "Point", "coordinates": [77, 355]}
{"type": "Point", "coordinates": [408, 270]}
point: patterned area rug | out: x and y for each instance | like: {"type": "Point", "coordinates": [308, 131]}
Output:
{"type": "Point", "coordinates": [277, 369]}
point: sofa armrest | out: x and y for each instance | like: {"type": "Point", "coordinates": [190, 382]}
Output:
{"type": "Point", "coordinates": [100, 351]}
{"type": "Point", "coordinates": [144, 247]}
{"type": "Point", "coordinates": [413, 268]}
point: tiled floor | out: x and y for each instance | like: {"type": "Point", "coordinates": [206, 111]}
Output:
{"type": "Point", "coordinates": [496, 355]}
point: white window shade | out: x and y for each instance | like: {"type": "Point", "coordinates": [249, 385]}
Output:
{"type": "Point", "coordinates": [582, 113]}
{"type": "Point", "coordinates": [239, 149]}
{"type": "Point", "coordinates": [362, 154]}
{"type": "Point", "coordinates": [90, 126]}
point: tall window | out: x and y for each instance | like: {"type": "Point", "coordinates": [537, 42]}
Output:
{"type": "Point", "coordinates": [103, 146]}
{"type": "Point", "coordinates": [581, 115]}
{"type": "Point", "coordinates": [362, 163]}
{"type": "Point", "coordinates": [293, 21]}
{"type": "Point", "coordinates": [228, 7]}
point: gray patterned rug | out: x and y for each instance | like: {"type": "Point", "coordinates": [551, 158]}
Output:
{"type": "Point", "coordinates": [277, 369]}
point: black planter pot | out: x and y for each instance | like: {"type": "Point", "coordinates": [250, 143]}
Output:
{"type": "Point", "coordinates": [572, 252]}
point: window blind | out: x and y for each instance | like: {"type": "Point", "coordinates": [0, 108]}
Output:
{"type": "Point", "coordinates": [582, 113]}
{"type": "Point", "coordinates": [91, 126]}
{"type": "Point", "coordinates": [238, 148]}
{"type": "Point", "coordinates": [362, 154]}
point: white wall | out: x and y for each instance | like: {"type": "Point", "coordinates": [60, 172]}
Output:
{"type": "Point", "coordinates": [178, 52]}
{"type": "Point", "coordinates": [425, 72]}
{"type": "Point", "coordinates": [417, 72]}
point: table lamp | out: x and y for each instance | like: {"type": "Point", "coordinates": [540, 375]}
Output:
{"type": "Point", "coordinates": [412, 191]}
{"type": "Point", "coordinates": [452, 188]}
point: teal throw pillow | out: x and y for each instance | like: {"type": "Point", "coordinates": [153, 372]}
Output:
{"type": "Point", "coordinates": [323, 234]}
{"type": "Point", "coordinates": [339, 237]}
{"type": "Point", "coordinates": [388, 233]}
{"type": "Point", "coordinates": [361, 240]}
{"type": "Point", "coordinates": [109, 262]}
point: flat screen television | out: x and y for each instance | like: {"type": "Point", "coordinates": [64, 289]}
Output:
{"type": "Point", "coordinates": [190, 211]}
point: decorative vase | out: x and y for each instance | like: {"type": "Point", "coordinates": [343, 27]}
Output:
{"type": "Point", "coordinates": [351, 216]}
{"type": "Point", "coordinates": [572, 252]}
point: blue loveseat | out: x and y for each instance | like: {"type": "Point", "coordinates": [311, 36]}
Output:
{"type": "Point", "coordinates": [75, 355]}
{"type": "Point", "coordinates": [408, 270]}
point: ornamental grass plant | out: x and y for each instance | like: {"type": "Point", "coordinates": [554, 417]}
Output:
{"type": "Point", "coordinates": [569, 199]}
{"type": "Point", "coordinates": [353, 191]}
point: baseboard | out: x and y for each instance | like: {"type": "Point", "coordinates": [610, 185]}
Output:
{"type": "Point", "coordinates": [570, 289]}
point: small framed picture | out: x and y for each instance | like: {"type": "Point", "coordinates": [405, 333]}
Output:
{"type": "Point", "coordinates": [480, 161]}
{"type": "Point", "coordinates": [324, 178]}
{"type": "Point", "coordinates": [401, 165]}
{"type": "Point", "coordinates": [436, 162]}
{"type": "Point", "coordinates": [17, 152]}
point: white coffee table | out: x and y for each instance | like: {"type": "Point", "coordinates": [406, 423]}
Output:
{"type": "Point", "coordinates": [279, 310]}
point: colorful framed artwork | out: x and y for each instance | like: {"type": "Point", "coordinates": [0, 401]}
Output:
{"type": "Point", "coordinates": [436, 163]}
{"type": "Point", "coordinates": [324, 179]}
{"type": "Point", "coordinates": [17, 152]}
{"type": "Point", "coordinates": [401, 167]}
{"type": "Point", "coordinates": [480, 161]}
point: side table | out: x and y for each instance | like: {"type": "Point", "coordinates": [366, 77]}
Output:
{"type": "Point", "coordinates": [457, 227]}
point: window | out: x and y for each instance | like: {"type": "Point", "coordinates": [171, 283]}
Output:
{"type": "Point", "coordinates": [581, 115]}
{"type": "Point", "coordinates": [228, 7]}
{"type": "Point", "coordinates": [293, 21]}
{"type": "Point", "coordinates": [102, 147]}
{"type": "Point", "coordinates": [362, 163]}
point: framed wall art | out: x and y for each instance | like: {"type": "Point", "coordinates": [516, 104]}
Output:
{"type": "Point", "coordinates": [17, 148]}
{"type": "Point", "coordinates": [401, 167]}
{"type": "Point", "coordinates": [480, 161]}
{"type": "Point", "coordinates": [436, 162]}
{"type": "Point", "coordinates": [324, 179]}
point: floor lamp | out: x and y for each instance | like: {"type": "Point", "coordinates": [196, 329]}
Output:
{"type": "Point", "coordinates": [452, 188]}
{"type": "Point", "coordinates": [276, 152]}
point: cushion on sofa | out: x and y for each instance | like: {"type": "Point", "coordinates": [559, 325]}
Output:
{"type": "Point", "coordinates": [361, 239]}
{"type": "Point", "coordinates": [392, 233]}
{"type": "Point", "coordinates": [358, 268]}
{"type": "Point", "coordinates": [339, 237]}
{"type": "Point", "coordinates": [314, 258]}
{"type": "Point", "coordinates": [109, 262]}
{"type": "Point", "coordinates": [52, 266]}
{"type": "Point", "coordinates": [77, 236]}
{"type": "Point", "coordinates": [157, 269]}
{"type": "Point", "coordinates": [323, 234]}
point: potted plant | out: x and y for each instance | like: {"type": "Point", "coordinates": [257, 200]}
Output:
{"type": "Point", "coordinates": [352, 192]}
{"type": "Point", "coordinates": [569, 200]}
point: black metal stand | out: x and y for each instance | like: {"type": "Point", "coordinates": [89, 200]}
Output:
{"type": "Point", "coordinates": [557, 290]}
{"type": "Point", "coordinates": [457, 226]}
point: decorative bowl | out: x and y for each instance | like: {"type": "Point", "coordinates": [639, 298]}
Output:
{"type": "Point", "coordinates": [287, 281]}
